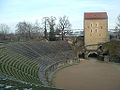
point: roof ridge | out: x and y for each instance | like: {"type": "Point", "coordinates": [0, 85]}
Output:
{"type": "Point", "coordinates": [95, 15]}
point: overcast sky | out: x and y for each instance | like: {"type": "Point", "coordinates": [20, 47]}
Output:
{"type": "Point", "coordinates": [14, 11]}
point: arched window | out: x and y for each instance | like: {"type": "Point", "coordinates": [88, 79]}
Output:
{"type": "Point", "coordinates": [95, 30]}
{"type": "Point", "coordinates": [91, 30]}
{"type": "Point", "coordinates": [97, 24]}
{"type": "Point", "coordinates": [91, 24]}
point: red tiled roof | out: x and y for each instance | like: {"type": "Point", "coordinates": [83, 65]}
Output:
{"type": "Point", "coordinates": [95, 15]}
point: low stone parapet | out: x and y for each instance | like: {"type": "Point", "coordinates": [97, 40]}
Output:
{"type": "Point", "coordinates": [51, 69]}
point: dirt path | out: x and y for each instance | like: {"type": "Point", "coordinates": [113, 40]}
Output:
{"type": "Point", "coordinates": [89, 75]}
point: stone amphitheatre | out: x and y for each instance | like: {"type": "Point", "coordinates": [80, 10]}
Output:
{"type": "Point", "coordinates": [63, 64]}
{"type": "Point", "coordinates": [31, 65]}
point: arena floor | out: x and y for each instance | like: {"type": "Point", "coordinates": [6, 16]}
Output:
{"type": "Point", "coordinates": [89, 75]}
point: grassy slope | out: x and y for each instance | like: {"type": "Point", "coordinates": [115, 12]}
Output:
{"type": "Point", "coordinates": [114, 50]}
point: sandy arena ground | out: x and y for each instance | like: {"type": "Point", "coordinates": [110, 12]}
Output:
{"type": "Point", "coordinates": [89, 75]}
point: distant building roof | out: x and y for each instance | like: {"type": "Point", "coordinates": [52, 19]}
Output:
{"type": "Point", "coordinates": [95, 15]}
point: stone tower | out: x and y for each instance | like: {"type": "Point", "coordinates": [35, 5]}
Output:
{"type": "Point", "coordinates": [95, 29]}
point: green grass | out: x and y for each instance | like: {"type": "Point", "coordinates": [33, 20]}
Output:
{"type": "Point", "coordinates": [19, 66]}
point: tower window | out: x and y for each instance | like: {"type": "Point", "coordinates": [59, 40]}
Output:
{"type": "Point", "coordinates": [95, 30]}
{"type": "Point", "coordinates": [101, 27]}
{"type": "Point", "coordinates": [91, 30]}
{"type": "Point", "coordinates": [97, 24]}
{"type": "Point", "coordinates": [91, 25]}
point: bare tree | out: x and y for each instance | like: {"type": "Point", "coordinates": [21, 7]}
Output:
{"type": "Point", "coordinates": [24, 29]}
{"type": "Point", "coordinates": [37, 31]}
{"type": "Point", "coordinates": [64, 24]}
{"type": "Point", "coordinates": [118, 24]}
{"type": "Point", "coordinates": [51, 22]}
{"type": "Point", "coordinates": [45, 25]}
{"type": "Point", "coordinates": [4, 30]}
{"type": "Point", "coordinates": [117, 28]}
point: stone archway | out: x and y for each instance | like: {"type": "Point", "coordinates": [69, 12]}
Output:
{"type": "Point", "coordinates": [91, 54]}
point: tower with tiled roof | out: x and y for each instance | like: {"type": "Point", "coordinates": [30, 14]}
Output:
{"type": "Point", "coordinates": [95, 28]}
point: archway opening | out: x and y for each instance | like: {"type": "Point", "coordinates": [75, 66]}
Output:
{"type": "Point", "coordinates": [92, 55]}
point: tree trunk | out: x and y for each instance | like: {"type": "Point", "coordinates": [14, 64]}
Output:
{"type": "Point", "coordinates": [62, 34]}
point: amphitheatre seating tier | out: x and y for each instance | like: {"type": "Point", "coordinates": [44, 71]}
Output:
{"type": "Point", "coordinates": [18, 66]}
{"type": "Point", "coordinates": [27, 61]}
{"type": "Point", "coordinates": [9, 84]}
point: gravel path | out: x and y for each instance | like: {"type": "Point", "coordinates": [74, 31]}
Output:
{"type": "Point", "coordinates": [89, 75]}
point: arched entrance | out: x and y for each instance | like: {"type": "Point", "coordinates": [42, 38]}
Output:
{"type": "Point", "coordinates": [92, 54]}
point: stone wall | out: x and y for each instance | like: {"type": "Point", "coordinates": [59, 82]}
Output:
{"type": "Point", "coordinates": [95, 32]}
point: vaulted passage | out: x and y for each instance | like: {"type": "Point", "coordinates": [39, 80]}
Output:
{"type": "Point", "coordinates": [93, 55]}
